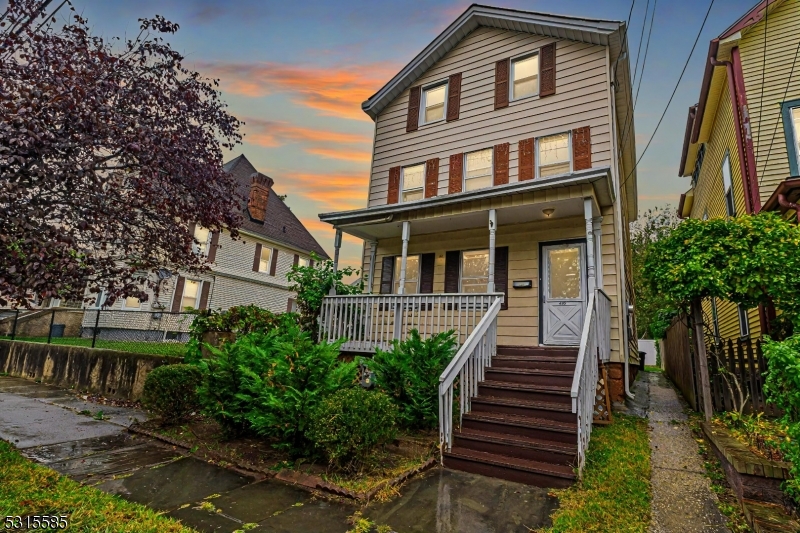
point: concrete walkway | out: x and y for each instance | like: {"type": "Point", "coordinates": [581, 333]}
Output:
{"type": "Point", "coordinates": [44, 422]}
{"type": "Point", "coordinates": [682, 497]}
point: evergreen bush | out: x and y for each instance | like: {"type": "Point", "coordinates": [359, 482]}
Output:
{"type": "Point", "coordinates": [170, 392]}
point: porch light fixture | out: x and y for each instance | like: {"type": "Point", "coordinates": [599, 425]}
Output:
{"type": "Point", "coordinates": [548, 212]}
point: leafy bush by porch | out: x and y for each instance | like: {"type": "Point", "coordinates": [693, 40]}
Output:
{"type": "Point", "coordinates": [170, 391]}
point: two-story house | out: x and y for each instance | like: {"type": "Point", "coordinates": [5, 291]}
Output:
{"type": "Point", "coordinates": [742, 142]}
{"type": "Point", "coordinates": [250, 270]}
{"type": "Point", "coordinates": [501, 188]}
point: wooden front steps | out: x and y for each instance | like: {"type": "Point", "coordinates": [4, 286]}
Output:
{"type": "Point", "coordinates": [521, 426]}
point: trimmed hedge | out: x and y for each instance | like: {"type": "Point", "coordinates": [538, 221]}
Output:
{"type": "Point", "coordinates": [170, 391]}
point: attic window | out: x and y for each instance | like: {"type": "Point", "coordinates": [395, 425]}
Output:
{"type": "Point", "coordinates": [433, 103]}
{"type": "Point", "coordinates": [525, 76]}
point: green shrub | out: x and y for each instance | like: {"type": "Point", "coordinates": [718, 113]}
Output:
{"type": "Point", "coordinates": [409, 374]}
{"type": "Point", "coordinates": [350, 424]}
{"type": "Point", "coordinates": [170, 391]}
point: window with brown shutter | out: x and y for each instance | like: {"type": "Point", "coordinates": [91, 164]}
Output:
{"type": "Point", "coordinates": [501, 273]}
{"type": "Point", "coordinates": [456, 173]}
{"type": "Point", "coordinates": [501, 69]}
{"type": "Point", "coordinates": [501, 164]}
{"type": "Point", "coordinates": [290, 305]}
{"type": "Point", "coordinates": [212, 249]}
{"type": "Point", "coordinates": [547, 85]}
{"type": "Point", "coordinates": [452, 267]}
{"type": "Point", "coordinates": [296, 260]}
{"type": "Point", "coordinates": [453, 97]}
{"type": "Point", "coordinates": [431, 177]}
{"type": "Point", "coordinates": [427, 266]}
{"type": "Point", "coordinates": [581, 148]}
{"type": "Point", "coordinates": [204, 295]}
{"type": "Point", "coordinates": [387, 274]}
{"type": "Point", "coordinates": [412, 121]}
{"type": "Point", "coordinates": [257, 257]}
{"type": "Point", "coordinates": [526, 159]}
{"type": "Point", "coordinates": [394, 185]}
{"type": "Point", "coordinates": [178, 295]}
{"type": "Point", "coordinates": [273, 265]}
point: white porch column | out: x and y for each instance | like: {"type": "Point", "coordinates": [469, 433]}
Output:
{"type": "Point", "coordinates": [492, 231]}
{"type": "Point", "coordinates": [337, 244]}
{"type": "Point", "coordinates": [591, 281]}
{"type": "Point", "coordinates": [373, 252]}
{"type": "Point", "coordinates": [406, 234]}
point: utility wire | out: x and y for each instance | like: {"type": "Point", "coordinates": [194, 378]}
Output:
{"type": "Point", "coordinates": [625, 50]}
{"type": "Point", "coordinates": [705, 19]}
{"type": "Point", "coordinates": [646, 48]}
{"type": "Point", "coordinates": [641, 39]}
{"type": "Point", "coordinates": [46, 19]}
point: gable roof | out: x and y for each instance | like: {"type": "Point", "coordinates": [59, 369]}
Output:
{"type": "Point", "coordinates": [280, 224]}
{"type": "Point", "coordinates": [593, 31]}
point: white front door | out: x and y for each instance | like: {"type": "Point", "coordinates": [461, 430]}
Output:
{"type": "Point", "coordinates": [563, 293]}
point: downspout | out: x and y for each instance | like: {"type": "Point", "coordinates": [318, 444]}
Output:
{"type": "Point", "coordinates": [789, 205]}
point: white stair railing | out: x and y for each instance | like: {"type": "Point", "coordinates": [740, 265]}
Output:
{"type": "Point", "coordinates": [595, 346]}
{"type": "Point", "coordinates": [468, 367]}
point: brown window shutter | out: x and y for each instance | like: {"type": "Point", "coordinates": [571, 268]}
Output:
{"type": "Point", "coordinates": [257, 258]}
{"type": "Point", "coordinates": [501, 273]}
{"type": "Point", "coordinates": [273, 263]}
{"type": "Point", "coordinates": [501, 164]}
{"type": "Point", "coordinates": [456, 173]}
{"type": "Point", "coordinates": [501, 69]}
{"type": "Point", "coordinates": [526, 159]}
{"type": "Point", "coordinates": [178, 295]}
{"type": "Point", "coordinates": [453, 97]}
{"type": "Point", "coordinates": [212, 249]}
{"type": "Point", "coordinates": [547, 72]}
{"type": "Point", "coordinates": [431, 177]}
{"type": "Point", "coordinates": [426, 268]}
{"type": "Point", "coordinates": [394, 186]}
{"type": "Point", "coordinates": [581, 148]}
{"type": "Point", "coordinates": [412, 122]}
{"type": "Point", "coordinates": [296, 260]}
{"type": "Point", "coordinates": [204, 295]}
{"type": "Point", "coordinates": [452, 268]}
{"type": "Point", "coordinates": [387, 275]}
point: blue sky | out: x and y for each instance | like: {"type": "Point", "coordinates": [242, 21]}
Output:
{"type": "Point", "coordinates": [297, 71]}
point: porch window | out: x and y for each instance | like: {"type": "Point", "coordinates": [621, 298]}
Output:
{"type": "Point", "coordinates": [191, 290]}
{"type": "Point", "coordinates": [263, 262]}
{"type": "Point", "coordinates": [474, 271]}
{"type": "Point", "coordinates": [412, 274]}
{"type": "Point", "coordinates": [727, 185]}
{"type": "Point", "coordinates": [554, 155]}
{"type": "Point", "coordinates": [413, 183]}
{"type": "Point", "coordinates": [478, 174]}
{"type": "Point", "coordinates": [433, 103]}
{"type": "Point", "coordinates": [202, 236]}
{"type": "Point", "coordinates": [525, 76]}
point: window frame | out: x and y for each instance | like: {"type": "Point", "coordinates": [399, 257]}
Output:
{"type": "Point", "coordinates": [126, 306]}
{"type": "Point", "coordinates": [398, 263]}
{"type": "Point", "coordinates": [511, 69]}
{"type": "Point", "coordinates": [792, 135]}
{"type": "Point", "coordinates": [464, 170]}
{"type": "Point", "coordinates": [402, 200]}
{"type": "Point", "coordinates": [261, 260]}
{"type": "Point", "coordinates": [196, 296]}
{"type": "Point", "coordinates": [202, 248]}
{"type": "Point", "coordinates": [727, 190]}
{"type": "Point", "coordinates": [461, 268]}
{"type": "Point", "coordinates": [744, 325]}
{"type": "Point", "coordinates": [100, 300]}
{"type": "Point", "coordinates": [538, 158]}
{"type": "Point", "coordinates": [303, 261]}
{"type": "Point", "coordinates": [423, 97]}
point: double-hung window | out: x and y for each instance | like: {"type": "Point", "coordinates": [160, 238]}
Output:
{"type": "Point", "coordinates": [131, 302]}
{"type": "Point", "coordinates": [478, 170]}
{"type": "Point", "coordinates": [727, 185]}
{"type": "Point", "coordinates": [794, 115]}
{"type": "Point", "coordinates": [191, 293]}
{"type": "Point", "coordinates": [525, 77]}
{"type": "Point", "coordinates": [202, 236]}
{"type": "Point", "coordinates": [411, 285]}
{"type": "Point", "coordinates": [553, 157]}
{"type": "Point", "coordinates": [474, 271]}
{"type": "Point", "coordinates": [303, 261]}
{"type": "Point", "coordinates": [433, 103]}
{"type": "Point", "coordinates": [413, 183]}
{"type": "Point", "coordinates": [266, 256]}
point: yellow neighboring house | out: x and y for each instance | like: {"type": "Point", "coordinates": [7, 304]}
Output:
{"type": "Point", "coordinates": [742, 142]}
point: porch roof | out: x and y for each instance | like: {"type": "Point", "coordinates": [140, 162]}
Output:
{"type": "Point", "coordinates": [442, 213]}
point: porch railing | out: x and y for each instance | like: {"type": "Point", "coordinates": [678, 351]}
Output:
{"type": "Point", "coordinates": [465, 371]}
{"type": "Point", "coordinates": [370, 321]}
{"type": "Point", "coordinates": [595, 346]}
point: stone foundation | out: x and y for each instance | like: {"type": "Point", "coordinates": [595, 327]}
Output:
{"type": "Point", "coordinates": [616, 380]}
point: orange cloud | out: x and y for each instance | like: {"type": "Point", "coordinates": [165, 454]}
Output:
{"type": "Point", "coordinates": [270, 133]}
{"type": "Point", "coordinates": [340, 191]}
{"type": "Point", "coordinates": [333, 91]}
{"type": "Point", "coordinates": [345, 155]}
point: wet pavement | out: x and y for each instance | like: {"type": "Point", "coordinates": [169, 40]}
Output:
{"type": "Point", "coordinates": [44, 422]}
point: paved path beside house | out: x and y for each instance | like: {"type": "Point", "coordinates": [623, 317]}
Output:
{"type": "Point", "coordinates": [46, 424]}
{"type": "Point", "coordinates": [682, 497]}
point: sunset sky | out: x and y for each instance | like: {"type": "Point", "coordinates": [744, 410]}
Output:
{"type": "Point", "coordinates": [297, 71]}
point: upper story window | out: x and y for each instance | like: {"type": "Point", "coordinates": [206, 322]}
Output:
{"type": "Point", "coordinates": [266, 257]}
{"type": "Point", "coordinates": [132, 302]}
{"type": "Point", "coordinates": [478, 170]}
{"type": "Point", "coordinates": [727, 185]}
{"type": "Point", "coordinates": [304, 261]}
{"type": "Point", "coordinates": [554, 155]}
{"type": "Point", "coordinates": [795, 116]}
{"type": "Point", "coordinates": [698, 164]}
{"type": "Point", "coordinates": [474, 271]}
{"type": "Point", "coordinates": [525, 76]}
{"type": "Point", "coordinates": [191, 291]}
{"type": "Point", "coordinates": [413, 183]}
{"type": "Point", "coordinates": [433, 99]}
{"type": "Point", "coordinates": [202, 236]}
{"type": "Point", "coordinates": [411, 285]}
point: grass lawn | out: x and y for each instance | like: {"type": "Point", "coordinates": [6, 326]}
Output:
{"type": "Point", "coordinates": [30, 489]}
{"type": "Point", "coordinates": [648, 368]}
{"type": "Point", "coordinates": [615, 493]}
{"type": "Point", "coordinates": [174, 349]}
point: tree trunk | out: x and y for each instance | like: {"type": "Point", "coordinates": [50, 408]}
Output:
{"type": "Point", "coordinates": [702, 358]}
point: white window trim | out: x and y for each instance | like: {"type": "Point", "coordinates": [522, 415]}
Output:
{"type": "Point", "coordinates": [396, 274]}
{"type": "Point", "coordinates": [196, 247]}
{"type": "Point", "coordinates": [464, 168]}
{"type": "Point", "coordinates": [403, 180]}
{"type": "Point", "coordinates": [428, 87]}
{"type": "Point", "coordinates": [268, 262]}
{"type": "Point", "coordinates": [196, 296]}
{"type": "Point", "coordinates": [511, 76]}
{"type": "Point", "coordinates": [538, 159]}
{"type": "Point", "coordinates": [796, 133]}
{"type": "Point", "coordinates": [100, 299]}
{"type": "Point", "coordinates": [461, 266]}
{"type": "Point", "coordinates": [744, 326]}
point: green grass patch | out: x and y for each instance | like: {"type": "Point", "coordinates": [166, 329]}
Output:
{"type": "Point", "coordinates": [614, 494]}
{"type": "Point", "coordinates": [648, 368]}
{"type": "Point", "coordinates": [170, 349]}
{"type": "Point", "coordinates": [30, 489]}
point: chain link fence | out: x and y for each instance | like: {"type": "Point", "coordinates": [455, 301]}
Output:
{"type": "Point", "coordinates": [149, 332]}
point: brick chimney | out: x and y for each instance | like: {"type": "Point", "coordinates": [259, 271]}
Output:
{"type": "Point", "coordinates": [259, 194]}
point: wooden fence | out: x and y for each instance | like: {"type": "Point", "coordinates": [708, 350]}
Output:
{"type": "Point", "coordinates": [738, 361]}
{"type": "Point", "coordinates": [679, 359]}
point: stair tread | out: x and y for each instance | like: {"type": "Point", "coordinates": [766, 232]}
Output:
{"type": "Point", "coordinates": [553, 389]}
{"type": "Point", "coordinates": [531, 371]}
{"type": "Point", "coordinates": [537, 358]}
{"type": "Point", "coordinates": [548, 406]}
{"type": "Point", "coordinates": [519, 440]}
{"type": "Point", "coordinates": [513, 462]}
{"type": "Point", "coordinates": [525, 421]}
